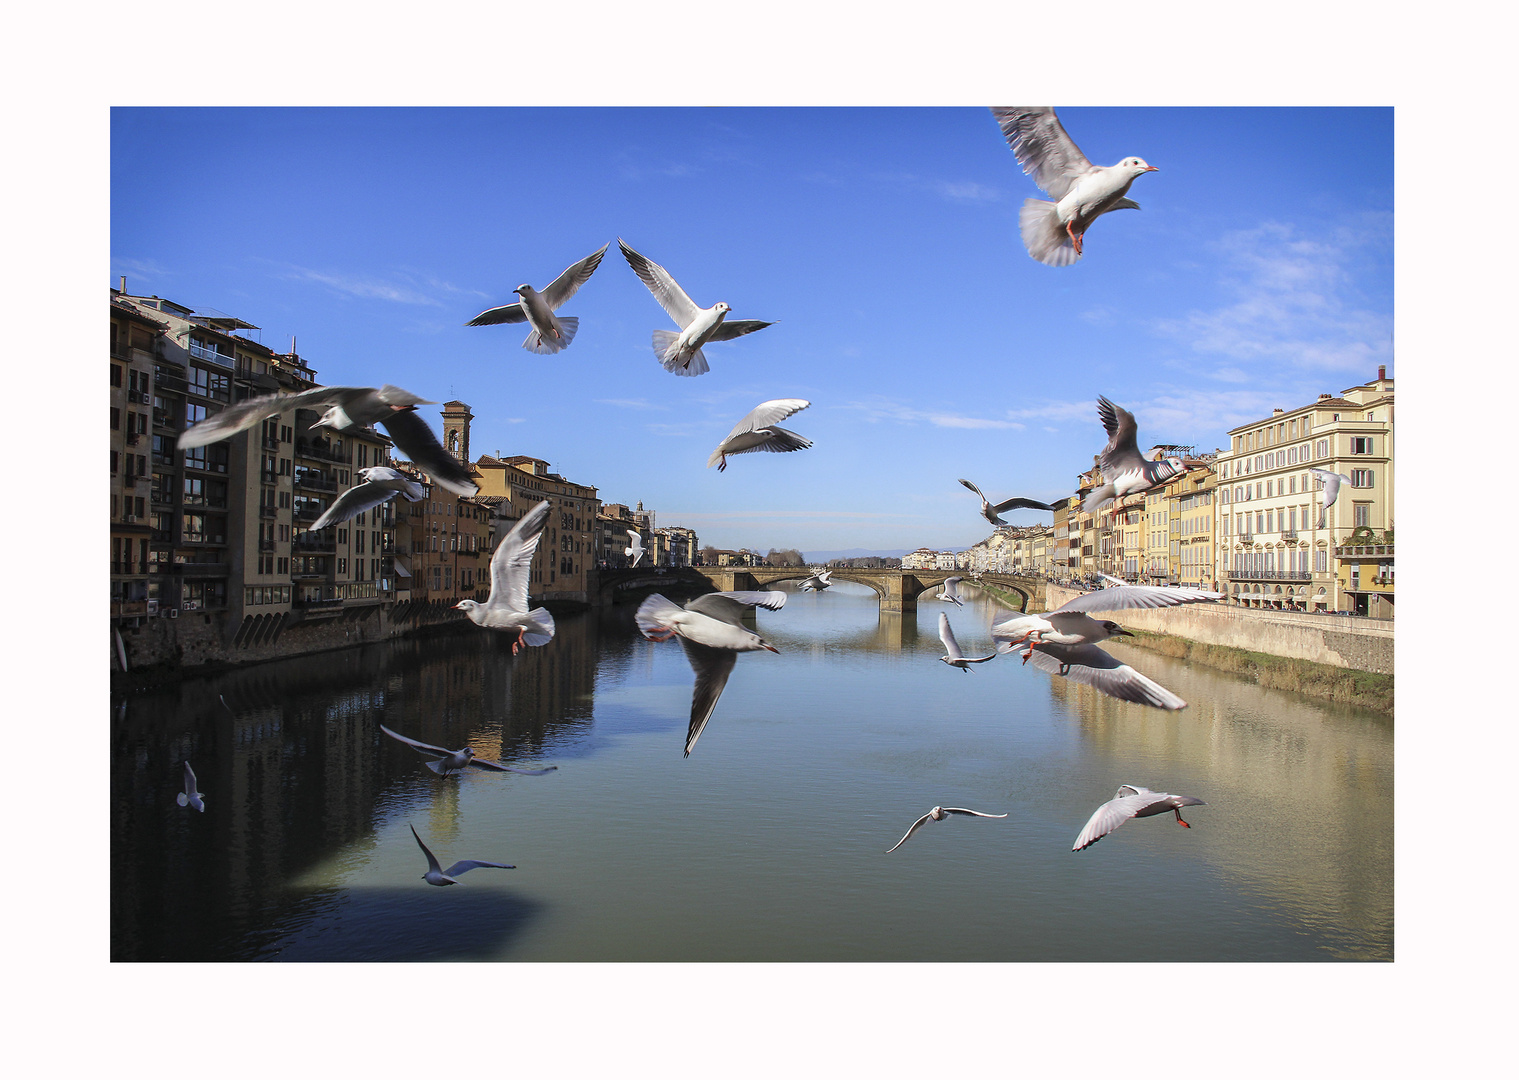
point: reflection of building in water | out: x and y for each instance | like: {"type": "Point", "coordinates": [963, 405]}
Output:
{"type": "Point", "coordinates": [1311, 775]}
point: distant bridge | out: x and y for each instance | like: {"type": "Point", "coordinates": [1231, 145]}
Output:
{"type": "Point", "coordinates": [898, 590]}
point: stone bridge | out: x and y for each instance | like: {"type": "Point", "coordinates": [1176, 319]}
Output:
{"type": "Point", "coordinates": [898, 590]}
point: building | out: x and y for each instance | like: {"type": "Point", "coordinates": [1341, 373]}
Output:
{"type": "Point", "coordinates": [1191, 523]}
{"type": "Point", "coordinates": [1273, 552]}
{"type": "Point", "coordinates": [567, 554]}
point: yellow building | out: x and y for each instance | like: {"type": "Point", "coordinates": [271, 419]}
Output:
{"type": "Point", "coordinates": [567, 553]}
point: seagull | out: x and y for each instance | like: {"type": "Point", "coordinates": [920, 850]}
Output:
{"type": "Point", "coordinates": [412, 436]}
{"type": "Point", "coordinates": [681, 353]}
{"type": "Point", "coordinates": [992, 513]}
{"type": "Point", "coordinates": [1332, 482]}
{"type": "Point", "coordinates": [1083, 192]}
{"type": "Point", "coordinates": [436, 875]}
{"type": "Point", "coordinates": [951, 594]}
{"type": "Point", "coordinates": [506, 606]}
{"type": "Point", "coordinates": [449, 762]}
{"type": "Point", "coordinates": [710, 632]}
{"type": "Point", "coordinates": [549, 332]}
{"type": "Point", "coordinates": [952, 647]}
{"type": "Point", "coordinates": [1131, 802]}
{"type": "Point", "coordinates": [246, 414]}
{"type": "Point", "coordinates": [189, 796]}
{"type": "Point", "coordinates": [1102, 671]}
{"type": "Point", "coordinates": [817, 581]}
{"type": "Point", "coordinates": [759, 431]}
{"type": "Point", "coordinates": [380, 483]}
{"type": "Point", "coordinates": [1069, 624]}
{"type": "Point", "coordinates": [636, 548]}
{"type": "Point", "coordinates": [1124, 469]}
{"type": "Point", "coordinates": [938, 813]}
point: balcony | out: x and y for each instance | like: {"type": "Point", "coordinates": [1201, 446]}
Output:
{"type": "Point", "coordinates": [202, 352]}
{"type": "Point", "coordinates": [268, 512]}
{"type": "Point", "coordinates": [320, 451]}
{"type": "Point", "coordinates": [266, 545]}
{"type": "Point", "coordinates": [1270, 575]}
{"type": "Point", "coordinates": [270, 442]}
{"type": "Point", "coordinates": [172, 384]}
{"type": "Point", "coordinates": [317, 605]}
{"type": "Point", "coordinates": [133, 438]}
{"type": "Point", "coordinates": [1289, 534]}
{"type": "Point", "coordinates": [315, 481]}
{"type": "Point", "coordinates": [198, 570]}
{"type": "Point", "coordinates": [307, 513]}
{"type": "Point", "coordinates": [307, 544]}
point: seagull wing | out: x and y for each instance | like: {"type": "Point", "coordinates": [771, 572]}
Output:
{"type": "Point", "coordinates": [513, 560]}
{"type": "Point", "coordinates": [729, 329]}
{"type": "Point", "coordinates": [563, 287]}
{"type": "Point", "coordinates": [968, 813]}
{"type": "Point", "coordinates": [506, 313]}
{"type": "Point", "coordinates": [731, 606]}
{"type": "Point", "coordinates": [671, 296]}
{"type": "Point", "coordinates": [1021, 504]}
{"type": "Point", "coordinates": [426, 749]}
{"type": "Point", "coordinates": [712, 667]}
{"type": "Point", "coordinates": [246, 414]}
{"type": "Point", "coordinates": [1042, 147]}
{"type": "Point", "coordinates": [767, 413]}
{"type": "Point", "coordinates": [190, 780]}
{"type": "Point", "coordinates": [1121, 597]}
{"type": "Point", "coordinates": [916, 825]}
{"type": "Point", "coordinates": [1332, 482]}
{"type": "Point", "coordinates": [432, 862]}
{"type": "Point", "coordinates": [947, 636]}
{"type": "Point", "coordinates": [974, 488]}
{"type": "Point", "coordinates": [781, 441]}
{"type": "Point", "coordinates": [1103, 672]}
{"type": "Point", "coordinates": [465, 865]}
{"type": "Point", "coordinates": [1122, 452]}
{"type": "Point", "coordinates": [354, 502]}
{"type": "Point", "coordinates": [414, 438]}
{"type": "Point", "coordinates": [1109, 816]}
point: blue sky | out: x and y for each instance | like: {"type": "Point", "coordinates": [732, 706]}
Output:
{"type": "Point", "coordinates": [883, 242]}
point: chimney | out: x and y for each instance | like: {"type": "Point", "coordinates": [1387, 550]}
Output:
{"type": "Point", "coordinates": [1381, 368]}
{"type": "Point", "coordinates": [123, 288]}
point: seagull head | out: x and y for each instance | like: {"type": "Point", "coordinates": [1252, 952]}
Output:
{"type": "Point", "coordinates": [1114, 630]}
{"type": "Point", "coordinates": [721, 307]}
{"type": "Point", "coordinates": [1137, 165]}
{"type": "Point", "coordinates": [523, 290]}
{"type": "Point", "coordinates": [466, 606]}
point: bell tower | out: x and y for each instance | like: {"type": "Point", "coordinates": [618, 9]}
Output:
{"type": "Point", "coordinates": [456, 418]}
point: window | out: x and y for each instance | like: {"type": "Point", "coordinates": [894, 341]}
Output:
{"type": "Point", "coordinates": [1321, 561]}
{"type": "Point", "coordinates": [1363, 514]}
{"type": "Point", "coordinates": [1361, 478]}
{"type": "Point", "coordinates": [115, 368]}
{"type": "Point", "coordinates": [1360, 445]}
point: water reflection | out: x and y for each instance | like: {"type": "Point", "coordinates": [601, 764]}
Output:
{"type": "Point", "coordinates": [767, 843]}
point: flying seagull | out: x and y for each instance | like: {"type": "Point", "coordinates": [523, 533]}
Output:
{"type": "Point", "coordinates": [1102, 671]}
{"type": "Point", "coordinates": [710, 632]}
{"type": "Point", "coordinates": [817, 581]}
{"type": "Point", "coordinates": [1125, 470]}
{"type": "Point", "coordinates": [952, 647]}
{"type": "Point", "coordinates": [760, 431]}
{"type": "Point", "coordinates": [951, 593]}
{"type": "Point", "coordinates": [379, 484]}
{"type": "Point", "coordinates": [681, 353]}
{"type": "Point", "coordinates": [1332, 482]}
{"type": "Point", "coordinates": [506, 606]}
{"type": "Point", "coordinates": [1131, 802]}
{"type": "Point", "coordinates": [436, 875]}
{"type": "Point", "coordinates": [549, 333]}
{"type": "Point", "coordinates": [938, 813]}
{"type": "Point", "coordinates": [635, 547]}
{"type": "Point", "coordinates": [992, 513]}
{"type": "Point", "coordinates": [189, 796]}
{"type": "Point", "coordinates": [447, 762]}
{"type": "Point", "coordinates": [1083, 192]}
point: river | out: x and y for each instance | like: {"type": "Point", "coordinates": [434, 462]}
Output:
{"type": "Point", "coordinates": [768, 842]}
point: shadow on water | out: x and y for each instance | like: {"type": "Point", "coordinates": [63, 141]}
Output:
{"type": "Point", "coordinates": [425, 923]}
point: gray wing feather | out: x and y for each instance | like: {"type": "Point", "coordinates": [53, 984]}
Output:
{"type": "Point", "coordinates": [767, 414]}
{"type": "Point", "coordinates": [564, 286]}
{"type": "Point", "coordinates": [1103, 672]}
{"type": "Point", "coordinates": [420, 747]}
{"type": "Point", "coordinates": [465, 865]}
{"type": "Point", "coordinates": [968, 813]}
{"type": "Point", "coordinates": [1021, 504]}
{"type": "Point", "coordinates": [731, 606]}
{"type": "Point", "coordinates": [947, 636]}
{"type": "Point", "coordinates": [496, 766]}
{"type": "Point", "coordinates": [353, 502]}
{"type": "Point", "coordinates": [1121, 597]}
{"type": "Point", "coordinates": [1039, 142]}
{"type": "Point", "coordinates": [783, 441]}
{"type": "Point", "coordinates": [414, 438]}
{"type": "Point", "coordinates": [729, 329]}
{"type": "Point", "coordinates": [671, 296]}
{"type": "Point", "coordinates": [432, 862]}
{"type": "Point", "coordinates": [506, 313]}
{"type": "Point", "coordinates": [916, 825]}
{"type": "Point", "coordinates": [1122, 452]}
{"type": "Point", "coordinates": [712, 667]}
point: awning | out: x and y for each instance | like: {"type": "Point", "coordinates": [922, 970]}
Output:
{"type": "Point", "coordinates": [401, 571]}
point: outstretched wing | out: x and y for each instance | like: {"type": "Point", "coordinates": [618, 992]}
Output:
{"type": "Point", "coordinates": [244, 415]}
{"type": "Point", "coordinates": [1021, 504]}
{"type": "Point", "coordinates": [506, 313]}
{"type": "Point", "coordinates": [563, 287]}
{"type": "Point", "coordinates": [729, 329]}
{"type": "Point", "coordinates": [671, 296]}
{"type": "Point", "coordinates": [1122, 452]}
{"type": "Point", "coordinates": [766, 414]}
{"type": "Point", "coordinates": [421, 747]}
{"type": "Point", "coordinates": [414, 438]}
{"type": "Point", "coordinates": [1103, 672]}
{"type": "Point", "coordinates": [513, 559]}
{"type": "Point", "coordinates": [712, 667]}
{"type": "Point", "coordinates": [731, 606]}
{"type": "Point", "coordinates": [1121, 597]}
{"type": "Point", "coordinates": [916, 825]}
{"type": "Point", "coordinates": [496, 766]}
{"type": "Point", "coordinates": [354, 502]}
{"type": "Point", "coordinates": [947, 636]}
{"type": "Point", "coordinates": [1042, 147]}
{"type": "Point", "coordinates": [432, 862]}
{"type": "Point", "coordinates": [465, 865]}
{"type": "Point", "coordinates": [967, 813]}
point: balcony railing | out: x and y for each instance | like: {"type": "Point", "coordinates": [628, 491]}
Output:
{"type": "Point", "coordinates": [1270, 575]}
{"type": "Point", "coordinates": [267, 512]}
{"type": "Point", "coordinates": [201, 352]}
{"type": "Point", "coordinates": [266, 545]}
{"type": "Point", "coordinates": [320, 451]}
{"type": "Point", "coordinates": [315, 482]}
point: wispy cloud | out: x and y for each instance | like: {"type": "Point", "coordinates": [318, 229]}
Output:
{"type": "Point", "coordinates": [400, 288]}
{"type": "Point", "coordinates": [1057, 411]}
{"type": "Point", "coordinates": [1297, 300]}
{"type": "Point", "coordinates": [967, 191]}
{"type": "Point", "coordinates": [630, 403]}
{"type": "Point", "coordinates": [146, 267]}
{"type": "Point", "coordinates": [880, 409]}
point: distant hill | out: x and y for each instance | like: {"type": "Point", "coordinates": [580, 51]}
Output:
{"type": "Point", "coordinates": [854, 553]}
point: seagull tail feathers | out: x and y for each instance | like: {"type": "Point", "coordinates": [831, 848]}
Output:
{"type": "Point", "coordinates": [655, 615]}
{"type": "Point", "coordinates": [536, 343]}
{"type": "Point", "coordinates": [668, 352]}
{"type": "Point", "coordinates": [1098, 497]}
{"type": "Point", "coordinates": [1043, 234]}
{"type": "Point", "coordinates": [540, 628]}
{"type": "Point", "coordinates": [435, 766]}
{"type": "Point", "coordinates": [182, 799]}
